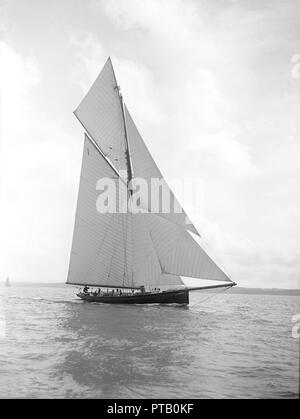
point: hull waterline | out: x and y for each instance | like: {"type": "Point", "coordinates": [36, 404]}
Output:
{"type": "Point", "coordinates": [164, 297]}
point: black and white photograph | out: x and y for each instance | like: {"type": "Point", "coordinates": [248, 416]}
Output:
{"type": "Point", "coordinates": [149, 202]}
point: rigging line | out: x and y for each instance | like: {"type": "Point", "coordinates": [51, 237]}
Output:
{"type": "Point", "coordinates": [124, 244]}
{"type": "Point", "coordinates": [155, 251]}
{"type": "Point", "coordinates": [117, 87]}
{"type": "Point", "coordinates": [125, 235]}
{"type": "Point", "coordinates": [127, 139]}
{"type": "Point", "coordinates": [215, 294]}
{"type": "Point", "coordinates": [131, 248]}
{"type": "Point", "coordinates": [114, 246]}
{"type": "Point", "coordinates": [127, 153]}
{"type": "Point", "coordinates": [126, 247]}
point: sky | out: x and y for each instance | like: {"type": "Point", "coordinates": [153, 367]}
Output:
{"type": "Point", "coordinates": [214, 88]}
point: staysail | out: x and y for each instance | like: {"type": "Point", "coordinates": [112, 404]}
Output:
{"type": "Point", "coordinates": [117, 247]}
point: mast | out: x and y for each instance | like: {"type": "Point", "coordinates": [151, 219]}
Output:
{"type": "Point", "coordinates": [127, 152]}
{"type": "Point", "coordinates": [129, 180]}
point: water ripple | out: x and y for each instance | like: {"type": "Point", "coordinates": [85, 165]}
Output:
{"type": "Point", "coordinates": [232, 346]}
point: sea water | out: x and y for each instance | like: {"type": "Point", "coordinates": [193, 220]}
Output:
{"type": "Point", "coordinates": [225, 345]}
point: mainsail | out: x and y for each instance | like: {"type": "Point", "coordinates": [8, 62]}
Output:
{"type": "Point", "coordinates": [98, 249]}
{"type": "Point", "coordinates": [117, 247]}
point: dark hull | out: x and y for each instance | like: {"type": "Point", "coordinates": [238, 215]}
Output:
{"type": "Point", "coordinates": [165, 297]}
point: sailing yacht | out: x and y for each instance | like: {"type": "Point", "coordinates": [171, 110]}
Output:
{"type": "Point", "coordinates": [131, 257]}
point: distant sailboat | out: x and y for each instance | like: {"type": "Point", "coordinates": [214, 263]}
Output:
{"type": "Point", "coordinates": [7, 282]}
{"type": "Point", "coordinates": [132, 258]}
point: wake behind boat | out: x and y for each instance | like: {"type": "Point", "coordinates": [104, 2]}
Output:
{"type": "Point", "coordinates": [122, 240]}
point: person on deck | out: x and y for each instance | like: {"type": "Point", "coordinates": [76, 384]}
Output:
{"type": "Point", "coordinates": [85, 289]}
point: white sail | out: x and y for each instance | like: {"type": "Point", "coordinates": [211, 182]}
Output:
{"type": "Point", "coordinates": [145, 167]}
{"type": "Point", "coordinates": [100, 113]}
{"type": "Point", "coordinates": [179, 253]}
{"type": "Point", "coordinates": [98, 255]}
